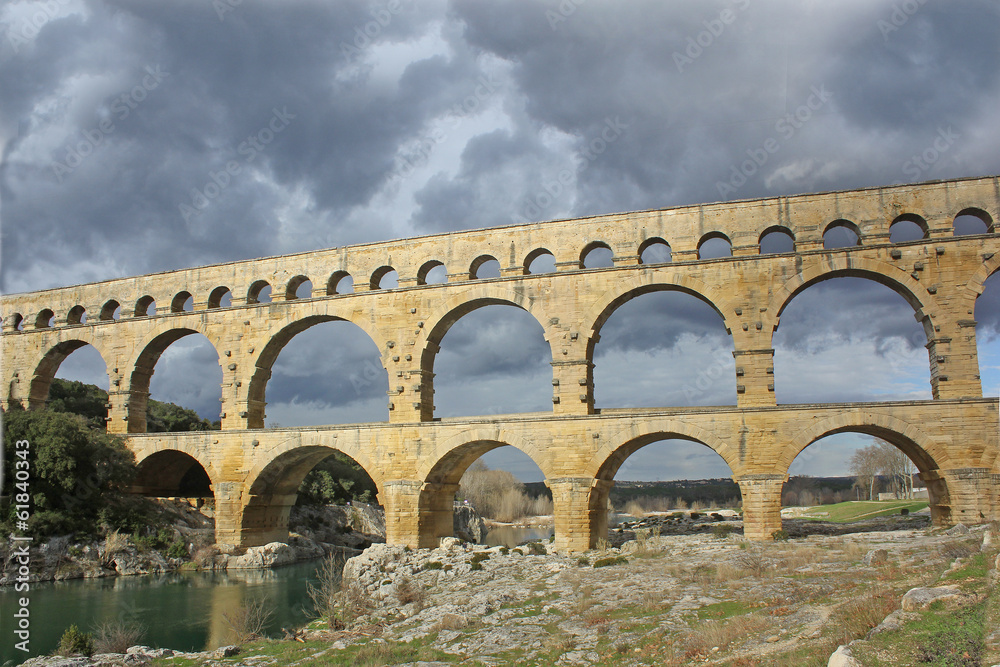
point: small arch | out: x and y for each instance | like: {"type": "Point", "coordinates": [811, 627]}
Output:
{"type": "Point", "coordinates": [77, 315]}
{"type": "Point", "coordinates": [221, 297]}
{"type": "Point", "coordinates": [145, 307]}
{"type": "Point", "coordinates": [538, 261]}
{"type": "Point", "coordinates": [299, 287]}
{"type": "Point", "coordinates": [432, 273]}
{"type": "Point", "coordinates": [182, 302]}
{"type": "Point", "coordinates": [17, 321]}
{"type": "Point", "coordinates": [775, 240]}
{"type": "Point", "coordinates": [972, 221]}
{"type": "Point", "coordinates": [595, 255]}
{"type": "Point", "coordinates": [841, 234]}
{"type": "Point", "coordinates": [340, 282]}
{"type": "Point", "coordinates": [484, 266]}
{"type": "Point", "coordinates": [110, 311]}
{"type": "Point", "coordinates": [45, 319]}
{"type": "Point", "coordinates": [654, 251]}
{"type": "Point", "coordinates": [908, 227]}
{"type": "Point", "coordinates": [384, 277]}
{"type": "Point", "coordinates": [174, 474]}
{"type": "Point", "coordinates": [259, 292]}
{"type": "Point", "coordinates": [715, 245]}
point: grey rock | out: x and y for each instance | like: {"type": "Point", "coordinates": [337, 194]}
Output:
{"type": "Point", "coordinates": [876, 557]}
{"type": "Point", "coordinates": [920, 598]}
{"type": "Point", "coordinates": [269, 555]}
{"type": "Point", "coordinates": [226, 651]}
{"type": "Point", "coordinates": [468, 525]}
{"type": "Point", "coordinates": [957, 529]}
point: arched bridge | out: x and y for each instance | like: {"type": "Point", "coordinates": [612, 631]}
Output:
{"type": "Point", "coordinates": [417, 460]}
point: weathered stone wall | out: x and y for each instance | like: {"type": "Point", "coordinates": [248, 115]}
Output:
{"type": "Point", "coordinates": [417, 462]}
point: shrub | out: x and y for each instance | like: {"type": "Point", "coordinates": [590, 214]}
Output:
{"type": "Point", "coordinates": [480, 557]}
{"type": "Point", "coordinates": [475, 565]}
{"type": "Point", "coordinates": [536, 549]}
{"type": "Point", "coordinates": [904, 511]}
{"type": "Point", "coordinates": [583, 561]}
{"type": "Point", "coordinates": [780, 535]}
{"type": "Point", "coordinates": [504, 550]}
{"type": "Point", "coordinates": [177, 550]}
{"type": "Point", "coordinates": [408, 591]}
{"type": "Point", "coordinates": [695, 515]}
{"type": "Point", "coordinates": [612, 560]}
{"type": "Point", "coordinates": [74, 642]}
{"type": "Point", "coordinates": [114, 543]}
{"type": "Point", "coordinates": [249, 620]}
{"type": "Point", "coordinates": [324, 595]}
{"type": "Point", "coordinates": [722, 530]}
{"type": "Point", "coordinates": [433, 565]}
{"type": "Point", "coordinates": [117, 636]}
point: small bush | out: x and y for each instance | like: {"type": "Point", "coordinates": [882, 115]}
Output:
{"type": "Point", "coordinates": [114, 543]}
{"type": "Point", "coordinates": [74, 642]}
{"type": "Point", "coordinates": [75, 551]}
{"type": "Point", "coordinates": [117, 636]}
{"type": "Point", "coordinates": [433, 565]}
{"type": "Point", "coordinates": [408, 591]}
{"type": "Point", "coordinates": [249, 620]}
{"type": "Point", "coordinates": [904, 511]}
{"type": "Point", "coordinates": [480, 557]}
{"type": "Point", "coordinates": [536, 549]}
{"type": "Point", "coordinates": [722, 530]}
{"type": "Point", "coordinates": [324, 595]}
{"type": "Point", "coordinates": [613, 560]}
{"type": "Point", "coordinates": [475, 566]}
{"type": "Point", "coordinates": [583, 561]}
{"type": "Point", "coordinates": [780, 535]}
{"type": "Point", "coordinates": [517, 551]}
{"type": "Point", "coordinates": [177, 550]}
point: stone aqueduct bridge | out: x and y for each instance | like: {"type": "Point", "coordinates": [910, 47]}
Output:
{"type": "Point", "coordinates": [416, 460]}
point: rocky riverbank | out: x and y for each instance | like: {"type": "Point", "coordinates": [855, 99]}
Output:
{"type": "Point", "coordinates": [658, 600]}
{"type": "Point", "coordinates": [315, 531]}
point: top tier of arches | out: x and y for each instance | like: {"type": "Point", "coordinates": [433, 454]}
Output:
{"type": "Point", "coordinates": [716, 232]}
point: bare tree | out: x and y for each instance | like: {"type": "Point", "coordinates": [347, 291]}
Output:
{"type": "Point", "coordinates": [864, 465]}
{"type": "Point", "coordinates": [896, 465]}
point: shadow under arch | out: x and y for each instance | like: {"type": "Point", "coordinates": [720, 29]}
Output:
{"type": "Point", "coordinates": [921, 449]}
{"type": "Point", "coordinates": [47, 367]}
{"type": "Point", "coordinates": [256, 391]}
{"type": "Point", "coordinates": [272, 489]}
{"type": "Point", "coordinates": [441, 476]}
{"type": "Point", "coordinates": [455, 309]}
{"type": "Point", "coordinates": [173, 473]}
{"type": "Point", "coordinates": [142, 372]}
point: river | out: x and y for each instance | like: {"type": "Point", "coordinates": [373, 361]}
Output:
{"type": "Point", "coordinates": [181, 610]}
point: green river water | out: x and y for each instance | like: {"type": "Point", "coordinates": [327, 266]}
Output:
{"type": "Point", "coordinates": [181, 611]}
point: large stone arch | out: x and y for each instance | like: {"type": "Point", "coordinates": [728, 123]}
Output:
{"type": "Point", "coordinates": [142, 365]}
{"type": "Point", "coordinates": [916, 295]}
{"type": "Point", "coordinates": [974, 288]}
{"type": "Point", "coordinates": [274, 341]}
{"type": "Point", "coordinates": [46, 368]}
{"type": "Point", "coordinates": [614, 450]}
{"type": "Point", "coordinates": [928, 455]}
{"type": "Point", "coordinates": [441, 473]}
{"type": "Point", "coordinates": [161, 470]}
{"type": "Point", "coordinates": [271, 486]}
{"type": "Point", "coordinates": [645, 283]}
{"type": "Point", "coordinates": [454, 309]}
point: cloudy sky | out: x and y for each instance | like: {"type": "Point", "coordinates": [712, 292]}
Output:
{"type": "Point", "coordinates": [394, 119]}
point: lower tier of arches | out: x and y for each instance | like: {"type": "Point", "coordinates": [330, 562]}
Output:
{"type": "Point", "coordinates": [416, 467]}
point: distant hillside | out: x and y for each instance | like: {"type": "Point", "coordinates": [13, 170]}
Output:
{"type": "Point", "coordinates": [91, 401]}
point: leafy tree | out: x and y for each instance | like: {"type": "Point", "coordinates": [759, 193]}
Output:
{"type": "Point", "coordinates": [336, 480]}
{"type": "Point", "coordinates": [78, 475]}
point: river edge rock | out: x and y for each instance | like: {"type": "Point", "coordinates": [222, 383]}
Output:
{"type": "Point", "coordinates": [315, 532]}
{"type": "Point", "coordinates": [561, 607]}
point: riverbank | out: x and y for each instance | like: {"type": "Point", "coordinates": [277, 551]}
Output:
{"type": "Point", "coordinates": [657, 600]}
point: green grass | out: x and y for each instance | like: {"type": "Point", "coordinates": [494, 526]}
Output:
{"type": "Point", "coordinates": [724, 609]}
{"type": "Point", "coordinates": [976, 568]}
{"type": "Point", "coordinates": [941, 637]}
{"type": "Point", "coordinates": [856, 510]}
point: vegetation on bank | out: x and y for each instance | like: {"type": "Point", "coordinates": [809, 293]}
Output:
{"type": "Point", "coordinates": [498, 495]}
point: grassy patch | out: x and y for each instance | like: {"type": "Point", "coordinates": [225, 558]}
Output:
{"type": "Point", "coordinates": [941, 637]}
{"type": "Point", "coordinates": [856, 510]}
{"type": "Point", "coordinates": [724, 609]}
{"type": "Point", "coordinates": [976, 568]}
